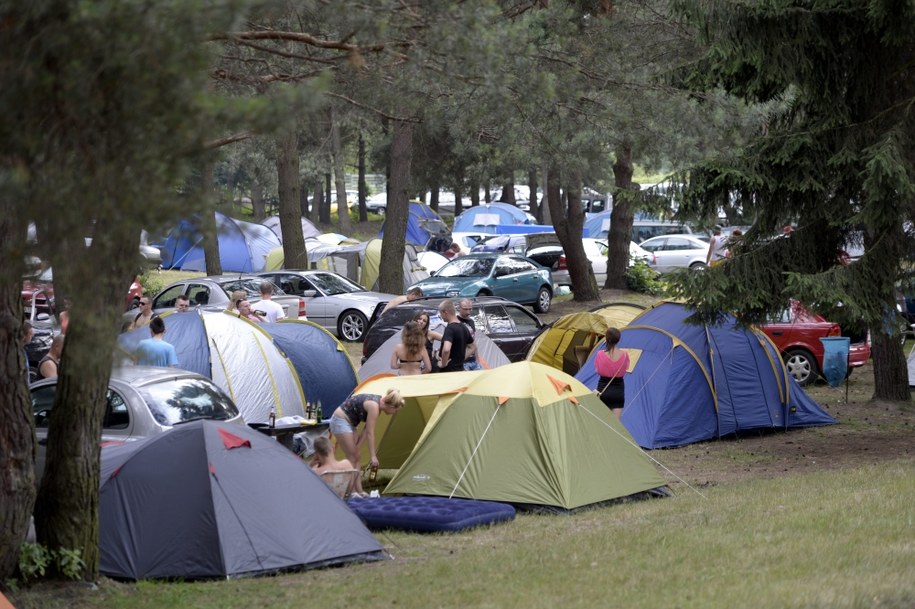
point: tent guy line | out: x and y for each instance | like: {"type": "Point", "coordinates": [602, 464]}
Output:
{"type": "Point", "coordinates": [475, 449]}
{"type": "Point", "coordinates": [645, 452]}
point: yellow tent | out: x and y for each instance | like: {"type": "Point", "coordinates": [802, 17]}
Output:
{"type": "Point", "coordinates": [566, 344]}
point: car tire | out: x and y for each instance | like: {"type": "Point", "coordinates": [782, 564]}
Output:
{"type": "Point", "coordinates": [698, 266]}
{"type": "Point", "coordinates": [544, 300]}
{"type": "Point", "coordinates": [801, 364]}
{"type": "Point", "coordinates": [351, 326]}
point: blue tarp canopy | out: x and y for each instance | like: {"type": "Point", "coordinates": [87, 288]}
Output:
{"type": "Point", "coordinates": [690, 382]}
{"type": "Point", "coordinates": [484, 218]}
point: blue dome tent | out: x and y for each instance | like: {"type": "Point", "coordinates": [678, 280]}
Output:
{"type": "Point", "coordinates": [243, 246]}
{"type": "Point", "coordinates": [423, 224]}
{"type": "Point", "coordinates": [690, 383]}
{"type": "Point", "coordinates": [484, 218]}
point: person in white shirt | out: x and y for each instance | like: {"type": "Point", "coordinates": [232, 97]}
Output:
{"type": "Point", "coordinates": [271, 310]}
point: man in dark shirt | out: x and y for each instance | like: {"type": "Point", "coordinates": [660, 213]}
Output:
{"type": "Point", "coordinates": [454, 339]}
{"type": "Point", "coordinates": [464, 313]}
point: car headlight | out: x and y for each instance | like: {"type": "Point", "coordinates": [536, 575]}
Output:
{"type": "Point", "coordinates": [452, 293]}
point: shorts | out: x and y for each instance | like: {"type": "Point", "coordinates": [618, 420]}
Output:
{"type": "Point", "coordinates": [472, 364]}
{"type": "Point", "coordinates": [340, 426]}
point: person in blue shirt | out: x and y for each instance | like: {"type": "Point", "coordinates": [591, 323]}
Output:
{"type": "Point", "coordinates": [155, 351]}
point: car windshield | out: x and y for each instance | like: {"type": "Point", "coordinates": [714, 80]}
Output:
{"type": "Point", "coordinates": [467, 267]}
{"type": "Point", "coordinates": [176, 401]}
{"type": "Point", "coordinates": [332, 284]}
{"type": "Point", "coordinates": [251, 286]}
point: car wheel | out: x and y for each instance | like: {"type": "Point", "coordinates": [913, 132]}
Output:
{"type": "Point", "coordinates": [801, 364]}
{"type": "Point", "coordinates": [351, 326]}
{"type": "Point", "coordinates": [698, 266]}
{"type": "Point", "coordinates": [544, 300]}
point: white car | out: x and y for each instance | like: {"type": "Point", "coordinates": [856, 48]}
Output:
{"type": "Point", "coordinates": [468, 240]}
{"type": "Point", "coordinates": [677, 252]}
{"type": "Point", "coordinates": [596, 251]}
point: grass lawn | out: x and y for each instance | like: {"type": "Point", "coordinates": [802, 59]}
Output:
{"type": "Point", "coordinates": [836, 539]}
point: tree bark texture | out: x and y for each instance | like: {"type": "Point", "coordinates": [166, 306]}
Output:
{"type": "Point", "coordinates": [508, 192]}
{"type": "Point", "coordinates": [66, 513]}
{"type": "Point", "coordinates": [258, 206]}
{"type": "Point", "coordinates": [303, 199]}
{"type": "Point", "coordinates": [433, 197]}
{"type": "Point", "coordinates": [395, 223]}
{"type": "Point", "coordinates": [339, 174]}
{"type": "Point", "coordinates": [17, 432]}
{"type": "Point", "coordinates": [360, 156]}
{"type": "Point", "coordinates": [532, 184]}
{"type": "Point", "coordinates": [620, 220]}
{"type": "Point", "coordinates": [474, 194]}
{"type": "Point", "coordinates": [208, 222]}
{"type": "Point", "coordinates": [324, 207]}
{"type": "Point", "coordinates": [569, 229]}
{"type": "Point", "coordinates": [287, 173]}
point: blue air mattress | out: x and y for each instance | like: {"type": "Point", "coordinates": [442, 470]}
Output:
{"type": "Point", "coordinates": [428, 514]}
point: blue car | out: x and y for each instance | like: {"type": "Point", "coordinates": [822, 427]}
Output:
{"type": "Point", "coordinates": [512, 277]}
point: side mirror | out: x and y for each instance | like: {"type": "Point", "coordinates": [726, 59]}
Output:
{"type": "Point", "coordinates": [309, 293]}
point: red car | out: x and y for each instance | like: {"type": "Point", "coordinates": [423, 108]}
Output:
{"type": "Point", "coordinates": [797, 335]}
{"type": "Point", "coordinates": [41, 289]}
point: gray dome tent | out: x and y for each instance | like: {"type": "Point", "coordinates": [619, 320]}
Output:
{"type": "Point", "coordinates": [212, 500]}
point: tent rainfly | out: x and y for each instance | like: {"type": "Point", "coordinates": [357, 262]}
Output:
{"type": "Point", "coordinates": [211, 499]}
{"type": "Point", "coordinates": [524, 434]}
{"type": "Point", "coordinates": [692, 382]}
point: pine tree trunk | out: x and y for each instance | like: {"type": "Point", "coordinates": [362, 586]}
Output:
{"type": "Point", "coordinates": [568, 229]}
{"type": "Point", "coordinates": [303, 199]}
{"type": "Point", "coordinates": [339, 175]}
{"type": "Point", "coordinates": [433, 197]}
{"type": "Point", "coordinates": [508, 192]}
{"type": "Point", "coordinates": [395, 224]}
{"type": "Point", "coordinates": [474, 194]}
{"type": "Point", "coordinates": [363, 212]}
{"type": "Point", "coordinates": [208, 223]}
{"type": "Point", "coordinates": [324, 207]}
{"type": "Point", "coordinates": [17, 432]}
{"type": "Point", "coordinates": [287, 173]}
{"type": "Point", "coordinates": [532, 184]}
{"type": "Point", "coordinates": [257, 202]}
{"type": "Point", "coordinates": [891, 374]}
{"type": "Point", "coordinates": [620, 220]}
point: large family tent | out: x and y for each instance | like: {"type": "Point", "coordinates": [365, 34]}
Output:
{"type": "Point", "coordinates": [309, 230]}
{"type": "Point", "coordinates": [240, 356]}
{"type": "Point", "coordinates": [524, 434]}
{"type": "Point", "coordinates": [211, 499]}
{"type": "Point", "coordinates": [485, 217]}
{"type": "Point", "coordinates": [488, 353]}
{"type": "Point", "coordinates": [324, 368]}
{"type": "Point", "coordinates": [691, 382]}
{"type": "Point", "coordinates": [423, 225]}
{"type": "Point", "coordinates": [243, 246]}
{"type": "Point", "coordinates": [569, 340]}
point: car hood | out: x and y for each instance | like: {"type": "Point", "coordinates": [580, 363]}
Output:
{"type": "Point", "coordinates": [369, 297]}
{"type": "Point", "coordinates": [440, 286]}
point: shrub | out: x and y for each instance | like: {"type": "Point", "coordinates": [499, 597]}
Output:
{"type": "Point", "coordinates": [640, 277]}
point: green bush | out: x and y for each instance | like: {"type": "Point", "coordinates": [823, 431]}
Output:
{"type": "Point", "coordinates": [642, 278]}
{"type": "Point", "coordinates": [34, 560]}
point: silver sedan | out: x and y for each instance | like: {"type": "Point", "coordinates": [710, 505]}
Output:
{"type": "Point", "coordinates": [332, 301]}
{"type": "Point", "coordinates": [677, 252]}
{"type": "Point", "coordinates": [142, 401]}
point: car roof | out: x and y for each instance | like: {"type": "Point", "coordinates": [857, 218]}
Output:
{"type": "Point", "coordinates": [137, 375]}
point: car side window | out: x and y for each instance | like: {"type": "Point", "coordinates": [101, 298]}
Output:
{"type": "Point", "coordinates": [498, 320]}
{"type": "Point", "coordinates": [167, 298]}
{"type": "Point", "coordinates": [676, 244]}
{"type": "Point", "coordinates": [117, 416]}
{"type": "Point", "coordinates": [502, 269]}
{"type": "Point", "coordinates": [654, 246]}
{"type": "Point", "coordinates": [42, 402]}
{"type": "Point", "coordinates": [198, 294]}
{"type": "Point", "coordinates": [522, 320]}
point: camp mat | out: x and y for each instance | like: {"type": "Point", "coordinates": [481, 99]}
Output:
{"type": "Point", "coordinates": [428, 514]}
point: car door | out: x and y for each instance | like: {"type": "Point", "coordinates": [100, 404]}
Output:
{"type": "Point", "coordinates": [680, 252]}
{"type": "Point", "coordinates": [500, 324]}
{"type": "Point", "coordinates": [165, 301]}
{"type": "Point", "coordinates": [116, 426]}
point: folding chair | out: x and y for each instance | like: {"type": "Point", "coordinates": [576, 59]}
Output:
{"type": "Point", "coordinates": [341, 482]}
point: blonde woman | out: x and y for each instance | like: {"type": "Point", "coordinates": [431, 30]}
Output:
{"type": "Point", "coordinates": [410, 356]}
{"type": "Point", "coordinates": [234, 299]}
{"type": "Point", "coordinates": [356, 409]}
